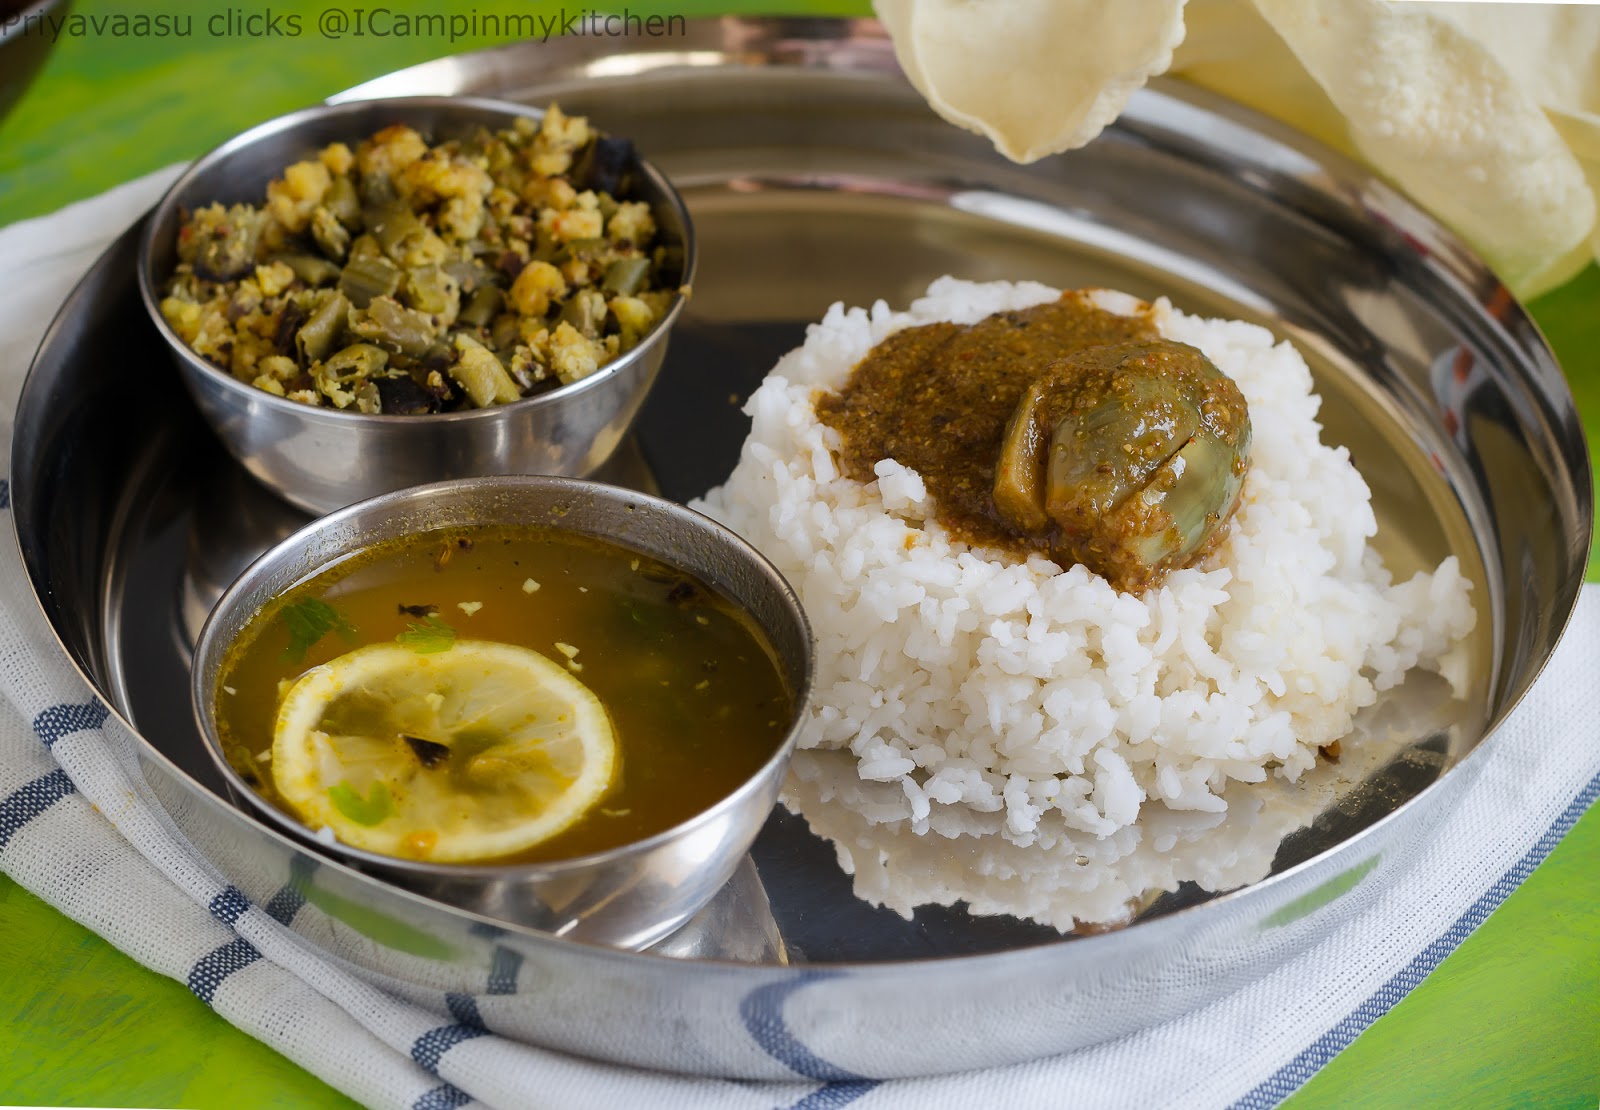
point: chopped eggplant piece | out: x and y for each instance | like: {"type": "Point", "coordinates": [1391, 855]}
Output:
{"type": "Point", "coordinates": [606, 166]}
{"type": "Point", "coordinates": [1019, 473]}
{"type": "Point", "coordinates": [1061, 429]}
{"type": "Point", "coordinates": [439, 355]}
{"type": "Point", "coordinates": [669, 266]}
{"type": "Point", "coordinates": [1148, 445]}
{"type": "Point", "coordinates": [290, 321]}
{"type": "Point", "coordinates": [400, 395]}
{"type": "Point", "coordinates": [510, 264]}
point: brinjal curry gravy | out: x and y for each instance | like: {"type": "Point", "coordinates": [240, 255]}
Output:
{"type": "Point", "coordinates": [1061, 428]}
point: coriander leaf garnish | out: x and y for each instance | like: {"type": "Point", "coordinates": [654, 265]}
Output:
{"type": "Point", "coordinates": [368, 811]}
{"type": "Point", "coordinates": [309, 621]}
{"type": "Point", "coordinates": [428, 636]}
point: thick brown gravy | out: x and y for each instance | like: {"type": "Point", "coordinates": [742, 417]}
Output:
{"type": "Point", "coordinates": [1061, 428]}
{"type": "Point", "coordinates": [936, 399]}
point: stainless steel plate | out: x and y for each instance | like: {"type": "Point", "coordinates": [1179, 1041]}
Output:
{"type": "Point", "coordinates": [815, 174]}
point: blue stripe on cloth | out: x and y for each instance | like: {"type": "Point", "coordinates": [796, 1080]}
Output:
{"type": "Point", "coordinates": [63, 720]}
{"type": "Point", "coordinates": [432, 1045]}
{"type": "Point", "coordinates": [834, 1095]}
{"type": "Point", "coordinates": [442, 1098]}
{"type": "Point", "coordinates": [290, 898]}
{"type": "Point", "coordinates": [229, 906]}
{"type": "Point", "coordinates": [283, 905]}
{"type": "Point", "coordinates": [215, 966]}
{"type": "Point", "coordinates": [503, 971]}
{"type": "Point", "coordinates": [1289, 1078]}
{"type": "Point", "coordinates": [27, 802]}
{"type": "Point", "coordinates": [464, 1009]}
{"type": "Point", "coordinates": [762, 1013]}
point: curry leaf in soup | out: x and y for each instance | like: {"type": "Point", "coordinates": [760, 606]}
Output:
{"type": "Point", "coordinates": [369, 810]}
{"type": "Point", "coordinates": [428, 636]}
{"type": "Point", "coordinates": [309, 621]}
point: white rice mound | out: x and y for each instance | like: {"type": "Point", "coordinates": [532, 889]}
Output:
{"type": "Point", "coordinates": [1029, 740]}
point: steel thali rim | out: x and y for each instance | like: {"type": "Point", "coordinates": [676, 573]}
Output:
{"type": "Point", "coordinates": [859, 48]}
{"type": "Point", "coordinates": [1326, 177]}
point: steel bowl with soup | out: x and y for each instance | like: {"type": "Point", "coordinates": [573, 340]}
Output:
{"type": "Point", "coordinates": [553, 701]}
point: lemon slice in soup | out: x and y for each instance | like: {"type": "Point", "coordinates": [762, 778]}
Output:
{"type": "Point", "coordinates": [473, 753]}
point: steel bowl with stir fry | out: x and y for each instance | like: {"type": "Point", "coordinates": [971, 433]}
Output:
{"type": "Point", "coordinates": [372, 295]}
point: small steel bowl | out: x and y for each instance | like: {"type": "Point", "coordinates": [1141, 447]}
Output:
{"type": "Point", "coordinates": [321, 459]}
{"type": "Point", "coordinates": [629, 896]}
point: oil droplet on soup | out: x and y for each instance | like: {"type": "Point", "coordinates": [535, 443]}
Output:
{"type": "Point", "coordinates": [692, 688]}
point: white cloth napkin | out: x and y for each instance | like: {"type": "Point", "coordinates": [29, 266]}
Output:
{"type": "Point", "coordinates": [80, 829]}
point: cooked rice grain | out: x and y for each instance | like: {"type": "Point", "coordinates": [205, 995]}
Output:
{"type": "Point", "coordinates": [1027, 739]}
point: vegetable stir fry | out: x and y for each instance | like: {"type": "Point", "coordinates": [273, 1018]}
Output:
{"type": "Point", "coordinates": [404, 278]}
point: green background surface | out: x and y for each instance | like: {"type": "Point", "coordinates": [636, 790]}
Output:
{"type": "Point", "coordinates": [1511, 1019]}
